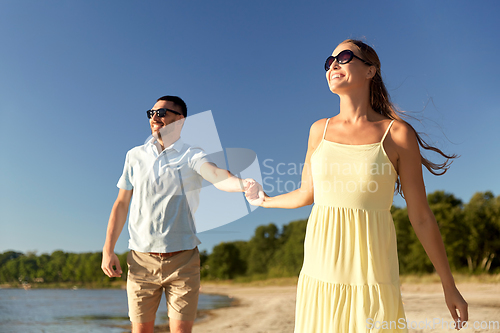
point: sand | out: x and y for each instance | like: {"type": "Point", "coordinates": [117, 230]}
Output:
{"type": "Point", "coordinates": [270, 309]}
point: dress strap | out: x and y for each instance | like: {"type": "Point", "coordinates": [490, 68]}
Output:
{"type": "Point", "coordinates": [324, 132]}
{"type": "Point", "coordinates": [387, 131]}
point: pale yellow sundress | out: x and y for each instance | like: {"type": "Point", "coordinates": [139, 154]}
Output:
{"type": "Point", "coordinates": [350, 277]}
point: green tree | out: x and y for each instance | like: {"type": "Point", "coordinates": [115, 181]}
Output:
{"type": "Point", "coordinates": [262, 247]}
{"type": "Point", "coordinates": [204, 264]}
{"type": "Point", "coordinates": [7, 256]}
{"type": "Point", "coordinates": [92, 267]}
{"type": "Point", "coordinates": [411, 254]}
{"type": "Point", "coordinates": [224, 262]}
{"type": "Point", "coordinates": [449, 214]}
{"type": "Point", "coordinates": [483, 221]}
{"type": "Point", "coordinates": [448, 211]}
{"type": "Point", "coordinates": [55, 266]}
{"type": "Point", "coordinates": [288, 258]}
{"type": "Point", "coordinates": [405, 237]}
{"type": "Point", "coordinates": [72, 270]}
{"type": "Point", "coordinates": [42, 264]}
{"type": "Point", "coordinates": [27, 267]}
{"type": "Point", "coordinates": [10, 270]}
{"type": "Point", "coordinates": [9, 266]}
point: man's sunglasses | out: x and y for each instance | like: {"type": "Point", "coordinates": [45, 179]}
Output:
{"type": "Point", "coordinates": [343, 57]}
{"type": "Point", "coordinates": [160, 112]}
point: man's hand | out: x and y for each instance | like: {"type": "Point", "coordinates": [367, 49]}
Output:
{"type": "Point", "coordinates": [253, 192]}
{"type": "Point", "coordinates": [108, 261]}
{"type": "Point", "coordinates": [117, 220]}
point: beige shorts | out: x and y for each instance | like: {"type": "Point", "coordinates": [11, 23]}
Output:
{"type": "Point", "coordinates": [149, 275]}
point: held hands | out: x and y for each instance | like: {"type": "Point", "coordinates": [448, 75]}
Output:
{"type": "Point", "coordinates": [253, 192]}
{"type": "Point", "coordinates": [108, 261]}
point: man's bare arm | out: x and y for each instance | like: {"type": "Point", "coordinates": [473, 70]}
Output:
{"type": "Point", "coordinates": [226, 181]}
{"type": "Point", "coordinates": [117, 220]}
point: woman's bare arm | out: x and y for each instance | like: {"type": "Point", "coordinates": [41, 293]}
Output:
{"type": "Point", "coordinates": [421, 217]}
{"type": "Point", "coordinates": [304, 195]}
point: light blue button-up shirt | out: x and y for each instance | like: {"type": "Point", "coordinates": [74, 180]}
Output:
{"type": "Point", "coordinates": [166, 195]}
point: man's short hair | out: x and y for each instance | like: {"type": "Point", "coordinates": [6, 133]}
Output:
{"type": "Point", "coordinates": [177, 101]}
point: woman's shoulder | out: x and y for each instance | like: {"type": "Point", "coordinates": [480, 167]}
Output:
{"type": "Point", "coordinates": [319, 125]}
{"type": "Point", "coordinates": [402, 133]}
{"type": "Point", "coordinates": [316, 131]}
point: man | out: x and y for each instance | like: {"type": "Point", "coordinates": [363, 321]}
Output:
{"type": "Point", "coordinates": [165, 176]}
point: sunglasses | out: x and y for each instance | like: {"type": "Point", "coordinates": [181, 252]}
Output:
{"type": "Point", "coordinates": [343, 57]}
{"type": "Point", "coordinates": [160, 113]}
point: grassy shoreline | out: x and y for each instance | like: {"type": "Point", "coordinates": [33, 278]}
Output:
{"type": "Point", "coordinates": [261, 282]}
{"type": "Point", "coordinates": [66, 285]}
{"type": "Point", "coordinates": [404, 279]}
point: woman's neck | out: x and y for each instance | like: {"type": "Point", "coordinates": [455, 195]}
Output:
{"type": "Point", "coordinates": [355, 108]}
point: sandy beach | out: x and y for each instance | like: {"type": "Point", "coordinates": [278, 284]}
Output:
{"type": "Point", "coordinates": [270, 309]}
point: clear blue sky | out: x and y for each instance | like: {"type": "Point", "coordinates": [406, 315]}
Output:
{"type": "Point", "coordinates": [77, 76]}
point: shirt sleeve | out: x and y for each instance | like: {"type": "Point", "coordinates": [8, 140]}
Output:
{"type": "Point", "coordinates": [198, 158]}
{"type": "Point", "coordinates": [125, 182]}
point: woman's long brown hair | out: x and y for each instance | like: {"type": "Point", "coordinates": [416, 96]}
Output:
{"type": "Point", "coordinates": [381, 103]}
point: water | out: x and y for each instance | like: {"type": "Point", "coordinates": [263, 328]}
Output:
{"type": "Point", "coordinates": [77, 311]}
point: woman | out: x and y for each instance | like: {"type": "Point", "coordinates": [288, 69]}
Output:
{"type": "Point", "coordinates": [350, 277]}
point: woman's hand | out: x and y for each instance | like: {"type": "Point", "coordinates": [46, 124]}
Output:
{"type": "Point", "coordinates": [457, 305]}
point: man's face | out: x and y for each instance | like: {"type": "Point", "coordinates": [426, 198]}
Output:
{"type": "Point", "coordinates": [161, 123]}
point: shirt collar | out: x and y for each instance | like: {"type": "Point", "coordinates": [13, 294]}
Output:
{"type": "Point", "coordinates": [177, 145]}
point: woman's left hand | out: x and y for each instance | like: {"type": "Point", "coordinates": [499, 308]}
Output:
{"type": "Point", "coordinates": [456, 302]}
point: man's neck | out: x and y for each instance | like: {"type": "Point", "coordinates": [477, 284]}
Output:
{"type": "Point", "coordinates": [161, 143]}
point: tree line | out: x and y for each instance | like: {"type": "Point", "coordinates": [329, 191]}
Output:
{"type": "Point", "coordinates": [471, 234]}
{"type": "Point", "coordinates": [55, 268]}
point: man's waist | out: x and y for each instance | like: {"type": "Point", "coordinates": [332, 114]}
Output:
{"type": "Point", "coordinates": [173, 243]}
{"type": "Point", "coordinates": [166, 255]}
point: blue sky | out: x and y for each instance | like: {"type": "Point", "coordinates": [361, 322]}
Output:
{"type": "Point", "coordinates": [76, 78]}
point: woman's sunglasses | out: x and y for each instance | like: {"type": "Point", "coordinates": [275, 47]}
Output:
{"type": "Point", "coordinates": [160, 112]}
{"type": "Point", "coordinates": [343, 57]}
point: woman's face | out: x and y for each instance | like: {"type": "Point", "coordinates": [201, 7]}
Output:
{"type": "Point", "coordinates": [355, 74]}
